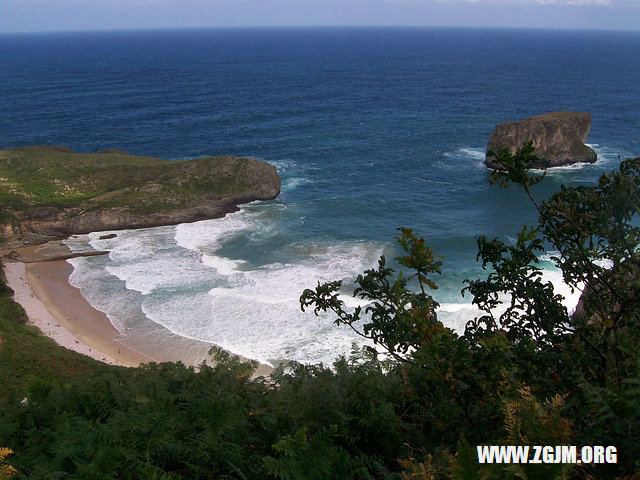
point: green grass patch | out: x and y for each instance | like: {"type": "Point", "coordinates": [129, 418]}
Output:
{"type": "Point", "coordinates": [28, 357]}
{"type": "Point", "coordinates": [32, 177]}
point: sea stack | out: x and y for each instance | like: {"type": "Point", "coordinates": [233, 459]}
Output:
{"type": "Point", "coordinates": [558, 137]}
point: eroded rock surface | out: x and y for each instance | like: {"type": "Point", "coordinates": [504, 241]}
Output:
{"type": "Point", "coordinates": [558, 137]}
{"type": "Point", "coordinates": [53, 192]}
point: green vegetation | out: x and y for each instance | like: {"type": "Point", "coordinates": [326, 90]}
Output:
{"type": "Point", "coordinates": [27, 357]}
{"type": "Point", "coordinates": [416, 404]}
{"type": "Point", "coordinates": [44, 176]}
{"type": "Point", "coordinates": [39, 182]}
{"type": "Point", "coordinates": [6, 470]}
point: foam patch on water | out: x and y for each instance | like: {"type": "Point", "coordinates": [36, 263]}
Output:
{"type": "Point", "coordinates": [472, 152]}
{"type": "Point", "coordinates": [178, 278]}
{"type": "Point", "coordinates": [145, 260]}
{"type": "Point", "coordinates": [78, 243]}
{"type": "Point", "coordinates": [293, 183]}
{"type": "Point", "coordinates": [98, 288]}
{"type": "Point", "coordinates": [456, 315]}
{"type": "Point", "coordinates": [475, 153]}
{"type": "Point", "coordinates": [571, 296]}
{"type": "Point", "coordinates": [222, 265]}
{"type": "Point", "coordinates": [607, 156]}
{"type": "Point", "coordinates": [211, 233]}
{"type": "Point", "coordinates": [256, 312]}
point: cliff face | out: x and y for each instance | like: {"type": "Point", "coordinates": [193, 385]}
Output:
{"type": "Point", "coordinates": [558, 137]}
{"type": "Point", "coordinates": [53, 192]}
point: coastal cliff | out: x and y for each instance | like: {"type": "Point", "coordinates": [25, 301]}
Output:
{"type": "Point", "coordinates": [558, 137]}
{"type": "Point", "coordinates": [49, 192]}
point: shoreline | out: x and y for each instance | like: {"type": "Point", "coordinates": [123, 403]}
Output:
{"type": "Point", "coordinates": [60, 312]}
{"type": "Point", "coordinates": [39, 278]}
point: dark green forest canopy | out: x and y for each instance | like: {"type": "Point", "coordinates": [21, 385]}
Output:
{"type": "Point", "coordinates": [413, 407]}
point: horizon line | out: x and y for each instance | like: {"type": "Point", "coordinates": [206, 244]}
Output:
{"type": "Point", "coordinates": [318, 26]}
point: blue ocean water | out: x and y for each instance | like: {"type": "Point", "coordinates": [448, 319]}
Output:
{"type": "Point", "coordinates": [370, 128]}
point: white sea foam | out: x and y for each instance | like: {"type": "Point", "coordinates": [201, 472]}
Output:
{"type": "Point", "coordinates": [571, 296]}
{"type": "Point", "coordinates": [472, 152]}
{"type": "Point", "coordinates": [159, 272]}
{"type": "Point", "coordinates": [90, 278]}
{"type": "Point", "coordinates": [177, 278]}
{"type": "Point", "coordinates": [607, 157]}
{"type": "Point", "coordinates": [456, 315]}
{"type": "Point", "coordinates": [453, 307]}
{"type": "Point", "coordinates": [256, 312]}
{"type": "Point", "coordinates": [78, 243]}
{"type": "Point", "coordinates": [294, 183]}
{"type": "Point", "coordinates": [284, 164]}
{"type": "Point", "coordinates": [475, 153]}
{"type": "Point", "coordinates": [211, 233]}
{"type": "Point", "coordinates": [224, 266]}
{"type": "Point", "coordinates": [562, 168]}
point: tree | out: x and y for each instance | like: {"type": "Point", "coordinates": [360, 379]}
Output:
{"type": "Point", "coordinates": [590, 359]}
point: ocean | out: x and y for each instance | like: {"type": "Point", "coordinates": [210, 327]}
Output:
{"type": "Point", "coordinates": [370, 128]}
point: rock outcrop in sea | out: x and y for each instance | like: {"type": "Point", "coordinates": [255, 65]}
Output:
{"type": "Point", "coordinates": [558, 137]}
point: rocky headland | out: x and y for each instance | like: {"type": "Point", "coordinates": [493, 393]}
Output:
{"type": "Point", "coordinates": [558, 137]}
{"type": "Point", "coordinates": [51, 192]}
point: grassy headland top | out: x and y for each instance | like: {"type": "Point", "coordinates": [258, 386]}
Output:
{"type": "Point", "coordinates": [48, 191]}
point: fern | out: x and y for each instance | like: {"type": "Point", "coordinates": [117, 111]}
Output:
{"type": "Point", "coordinates": [6, 470]}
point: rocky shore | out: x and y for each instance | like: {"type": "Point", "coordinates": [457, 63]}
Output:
{"type": "Point", "coordinates": [53, 192]}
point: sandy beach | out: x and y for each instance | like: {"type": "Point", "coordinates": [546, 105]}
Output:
{"type": "Point", "coordinates": [60, 311]}
{"type": "Point", "coordinates": [39, 276]}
